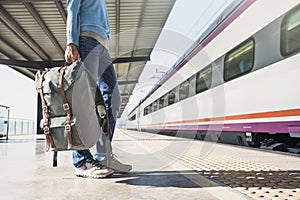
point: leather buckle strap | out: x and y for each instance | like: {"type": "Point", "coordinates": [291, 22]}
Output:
{"type": "Point", "coordinates": [66, 107]}
{"type": "Point", "coordinates": [46, 125]}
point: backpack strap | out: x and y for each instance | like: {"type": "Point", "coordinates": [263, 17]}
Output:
{"type": "Point", "coordinates": [46, 124]}
{"type": "Point", "coordinates": [66, 108]}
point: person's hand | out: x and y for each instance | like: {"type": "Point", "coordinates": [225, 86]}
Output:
{"type": "Point", "coordinates": [71, 53]}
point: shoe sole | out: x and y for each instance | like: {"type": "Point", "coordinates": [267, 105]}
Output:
{"type": "Point", "coordinates": [94, 176]}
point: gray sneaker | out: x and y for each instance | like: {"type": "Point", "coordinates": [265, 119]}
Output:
{"type": "Point", "coordinates": [115, 165]}
{"type": "Point", "coordinates": [93, 169]}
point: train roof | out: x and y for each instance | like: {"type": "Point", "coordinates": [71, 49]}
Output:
{"type": "Point", "coordinates": [200, 43]}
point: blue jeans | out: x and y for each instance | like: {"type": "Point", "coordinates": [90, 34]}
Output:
{"type": "Point", "coordinates": [97, 60]}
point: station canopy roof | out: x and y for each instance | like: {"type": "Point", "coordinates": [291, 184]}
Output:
{"type": "Point", "coordinates": [33, 36]}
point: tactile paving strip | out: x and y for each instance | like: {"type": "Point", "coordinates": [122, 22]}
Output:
{"type": "Point", "coordinates": [261, 184]}
{"type": "Point", "coordinates": [255, 180]}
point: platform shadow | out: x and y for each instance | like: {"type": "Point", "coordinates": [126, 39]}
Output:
{"type": "Point", "coordinates": [180, 179]}
{"type": "Point", "coordinates": [201, 179]}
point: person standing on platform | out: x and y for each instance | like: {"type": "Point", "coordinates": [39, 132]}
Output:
{"type": "Point", "coordinates": [88, 33]}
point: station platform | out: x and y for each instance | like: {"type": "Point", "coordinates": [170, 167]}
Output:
{"type": "Point", "coordinates": [163, 168]}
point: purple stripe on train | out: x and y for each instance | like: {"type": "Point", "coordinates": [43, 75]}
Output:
{"type": "Point", "coordinates": [267, 127]}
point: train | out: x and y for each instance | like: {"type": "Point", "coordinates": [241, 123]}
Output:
{"type": "Point", "coordinates": [239, 83]}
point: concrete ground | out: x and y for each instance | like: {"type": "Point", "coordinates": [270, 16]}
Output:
{"type": "Point", "coordinates": [163, 168]}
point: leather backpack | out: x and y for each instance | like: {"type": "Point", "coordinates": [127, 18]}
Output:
{"type": "Point", "coordinates": [74, 114]}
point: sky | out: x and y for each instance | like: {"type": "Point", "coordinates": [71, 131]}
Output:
{"type": "Point", "coordinates": [186, 22]}
{"type": "Point", "coordinates": [18, 92]}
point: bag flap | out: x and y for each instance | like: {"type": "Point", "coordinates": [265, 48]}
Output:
{"type": "Point", "coordinates": [51, 78]}
{"type": "Point", "coordinates": [57, 122]}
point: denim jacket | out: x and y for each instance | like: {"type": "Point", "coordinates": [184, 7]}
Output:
{"type": "Point", "coordinates": [87, 15]}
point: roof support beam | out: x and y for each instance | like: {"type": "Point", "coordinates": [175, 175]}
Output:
{"type": "Point", "coordinates": [14, 48]}
{"type": "Point", "coordinates": [131, 59]}
{"type": "Point", "coordinates": [128, 82]}
{"type": "Point", "coordinates": [49, 64]}
{"type": "Point", "coordinates": [24, 71]}
{"type": "Point", "coordinates": [43, 25]}
{"type": "Point", "coordinates": [126, 94]}
{"type": "Point", "coordinates": [32, 64]}
{"type": "Point", "coordinates": [19, 1]}
{"type": "Point", "coordinates": [19, 31]}
{"type": "Point", "coordinates": [61, 10]}
{"type": "Point", "coordinates": [5, 54]}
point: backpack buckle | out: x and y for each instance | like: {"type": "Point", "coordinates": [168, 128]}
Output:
{"type": "Point", "coordinates": [46, 130]}
{"type": "Point", "coordinates": [68, 127]}
{"type": "Point", "coordinates": [66, 106]}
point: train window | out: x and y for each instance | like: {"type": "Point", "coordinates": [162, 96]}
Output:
{"type": "Point", "coordinates": [161, 102]}
{"type": "Point", "coordinates": [165, 100]}
{"type": "Point", "coordinates": [154, 106]}
{"type": "Point", "coordinates": [132, 118]}
{"type": "Point", "coordinates": [290, 31]}
{"type": "Point", "coordinates": [157, 104]}
{"type": "Point", "coordinates": [150, 108]}
{"type": "Point", "coordinates": [146, 110]}
{"type": "Point", "coordinates": [171, 97]}
{"type": "Point", "coordinates": [203, 79]}
{"type": "Point", "coordinates": [192, 81]}
{"type": "Point", "coordinates": [184, 90]}
{"type": "Point", "coordinates": [239, 61]}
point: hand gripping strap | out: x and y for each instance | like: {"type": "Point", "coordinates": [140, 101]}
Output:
{"type": "Point", "coordinates": [66, 108]}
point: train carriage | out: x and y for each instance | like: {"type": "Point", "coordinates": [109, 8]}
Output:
{"type": "Point", "coordinates": [239, 82]}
